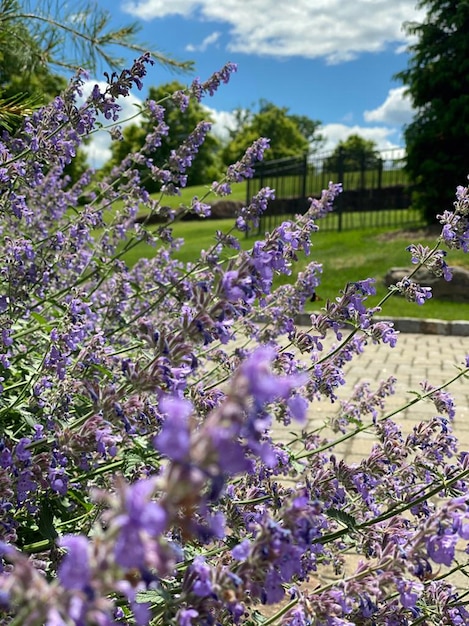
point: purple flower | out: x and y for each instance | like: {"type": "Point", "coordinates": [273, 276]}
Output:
{"type": "Point", "coordinates": [249, 216]}
{"type": "Point", "coordinates": [455, 232]}
{"type": "Point", "coordinates": [298, 407]}
{"type": "Point", "coordinates": [74, 570]}
{"type": "Point", "coordinates": [4, 303]}
{"type": "Point", "coordinates": [409, 593]}
{"type": "Point", "coordinates": [237, 286]}
{"type": "Point", "coordinates": [412, 291]}
{"type": "Point", "coordinates": [441, 548]}
{"type": "Point", "coordinates": [185, 617]}
{"type": "Point", "coordinates": [324, 205]}
{"type": "Point", "coordinates": [242, 550]}
{"type": "Point", "coordinates": [174, 439]}
{"type": "Point", "coordinates": [21, 451]}
{"type": "Point", "coordinates": [198, 89]}
{"type": "Point", "coordinates": [263, 385]}
{"type": "Point", "coordinates": [203, 584]}
{"type": "Point", "coordinates": [434, 261]}
{"type": "Point", "coordinates": [200, 208]}
{"type": "Point", "coordinates": [142, 519]}
{"type": "Point", "coordinates": [244, 168]}
{"type": "Point", "coordinates": [273, 591]}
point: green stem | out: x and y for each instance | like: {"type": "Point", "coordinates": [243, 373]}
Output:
{"type": "Point", "coordinates": [419, 398]}
{"type": "Point", "coordinates": [280, 613]}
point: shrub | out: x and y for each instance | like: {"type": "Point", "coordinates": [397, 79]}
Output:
{"type": "Point", "coordinates": [140, 479]}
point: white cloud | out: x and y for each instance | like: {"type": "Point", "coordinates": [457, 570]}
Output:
{"type": "Point", "coordinates": [98, 150]}
{"type": "Point", "coordinates": [208, 41]}
{"type": "Point", "coordinates": [223, 122]}
{"type": "Point", "coordinates": [385, 138]}
{"type": "Point", "coordinates": [149, 9]}
{"type": "Point", "coordinates": [396, 109]}
{"type": "Point", "coordinates": [331, 29]}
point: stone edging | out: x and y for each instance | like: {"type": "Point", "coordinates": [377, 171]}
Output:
{"type": "Point", "coordinates": [412, 325]}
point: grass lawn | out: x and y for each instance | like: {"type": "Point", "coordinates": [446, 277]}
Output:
{"type": "Point", "coordinates": [346, 257]}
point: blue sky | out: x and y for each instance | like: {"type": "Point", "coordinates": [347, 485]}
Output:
{"type": "Point", "coordinates": [332, 60]}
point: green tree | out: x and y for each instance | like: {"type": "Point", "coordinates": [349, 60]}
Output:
{"type": "Point", "coordinates": [205, 166]}
{"type": "Point", "coordinates": [353, 154]}
{"type": "Point", "coordinates": [289, 135]}
{"type": "Point", "coordinates": [437, 80]}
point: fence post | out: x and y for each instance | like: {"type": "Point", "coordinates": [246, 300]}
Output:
{"type": "Point", "coordinates": [362, 173]}
{"type": "Point", "coordinates": [340, 179]}
{"type": "Point", "coordinates": [304, 174]}
{"type": "Point", "coordinates": [380, 173]}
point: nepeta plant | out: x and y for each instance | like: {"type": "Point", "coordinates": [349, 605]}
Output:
{"type": "Point", "coordinates": [140, 480]}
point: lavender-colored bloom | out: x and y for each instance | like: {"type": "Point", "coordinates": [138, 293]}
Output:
{"type": "Point", "coordinates": [237, 287]}
{"type": "Point", "coordinates": [181, 99]}
{"type": "Point", "coordinates": [74, 570]}
{"type": "Point", "coordinates": [174, 439]}
{"type": "Point", "coordinates": [323, 206]}
{"type": "Point", "coordinates": [202, 572]}
{"type": "Point", "coordinates": [263, 385]}
{"type": "Point", "coordinates": [221, 189]}
{"type": "Point", "coordinates": [412, 291]}
{"type": "Point", "coordinates": [181, 159]}
{"type": "Point", "coordinates": [248, 217]}
{"type": "Point", "coordinates": [298, 407]}
{"type": "Point", "coordinates": [244, 168]}
{"type": "Point", "coordinates": [443, 400]}
{"type": "Point", "coordinates": [455, 231]}
{"type": "Point", "coordinates": [21, 451]}
{"type": "Point", "coordinates": [242, 550]}
{"type": "Point", "coordinates": [409, 593]}
{"type": "Point", "coordinates": [142, 518]}
{"type": "Point", "coordinates": [185, 617]}
{"type": "Point", "coordinates": [441, 548]}
{"type": "Point", "coordinates": [200, 208]}
{"type": "Point", "coordinates": [101, 355]}
{"type": "Point", "coordinates": [273, 590]}
{"type": "Point", "coordinates": [384, 332]}
{"type": "Point", "coordinates": [434, 260]}
{"type": "Point", "coordinates": [210, 86]}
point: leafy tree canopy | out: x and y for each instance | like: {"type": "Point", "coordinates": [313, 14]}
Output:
{"type": "Point", "coordinates": [353, 154]}
{"type": "Point", "coordinates": [204, 168]}
{"type": "Point", "coordinates": [290, 135]}
{"type": "Point", "coordinates": [437, 79]}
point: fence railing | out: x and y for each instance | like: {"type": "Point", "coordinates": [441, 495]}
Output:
{"type": "Point", "coordinates": [375, 186]}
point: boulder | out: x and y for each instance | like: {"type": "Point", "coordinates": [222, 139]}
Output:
{"type": "Point", "coordinates": [456, 289]}
{"type": "Point", "coordinates": [226, 208]}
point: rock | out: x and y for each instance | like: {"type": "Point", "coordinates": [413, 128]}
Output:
{"type": "Point", "coordinates": [456, 289]}
{"type": "Point", "coordinates": [226, 208]}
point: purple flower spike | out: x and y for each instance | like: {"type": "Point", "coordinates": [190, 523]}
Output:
{"type": "Point", "coordinates": [143, 519]}
{"type": "Point", "coordinates": [441, 548]}
{"type": "Point", "coordinates": [409, 593]}
{"type": "Point", "coordinates": [174, 438]}
{"type": "Point", "coordinates": [185, 617]}
{"type": "Point", "coordinates": [265, 386]}
{"type": "Point", "coordinates": [74, 571]}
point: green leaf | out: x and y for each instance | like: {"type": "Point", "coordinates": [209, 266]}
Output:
{"type": "Point", "coordinates": [343, 517]}
{"type": "Point", "coordinates": [40, 319]}
{"type": "Point", "coordinates": [46, 521]}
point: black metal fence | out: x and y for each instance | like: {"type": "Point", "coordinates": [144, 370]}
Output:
{"type": "Point", "coordinates": [376, 190]}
